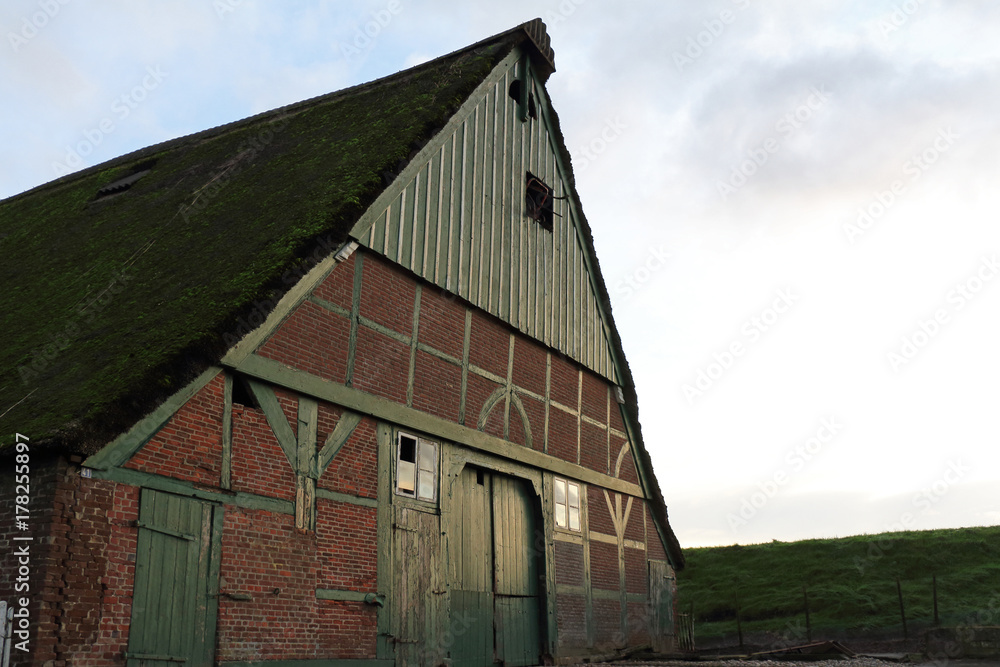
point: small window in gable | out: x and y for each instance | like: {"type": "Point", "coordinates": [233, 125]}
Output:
{"type": "Point", "coordinates": [538, 198]}
{"type": "Point", "coordinates": [567, 504]}
{"type": "Point", "coordinates": [416, 467]}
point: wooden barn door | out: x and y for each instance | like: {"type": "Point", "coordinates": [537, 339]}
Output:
{"type": "Point", "coordinates": [661, 593]}
{"type": "Point", "coordinates": [495, 598]}
{"type": "Point", "coordinates": [173, 608]}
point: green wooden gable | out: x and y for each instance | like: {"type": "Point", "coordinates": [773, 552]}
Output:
{"type": "Point", "coordinates": [456, 216]}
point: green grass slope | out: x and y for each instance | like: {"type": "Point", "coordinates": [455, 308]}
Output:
{"type": "Point", "coordinates": [851, 584]}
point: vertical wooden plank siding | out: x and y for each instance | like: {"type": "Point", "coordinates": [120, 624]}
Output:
{"type": "Point", "coordinates": [176, 575]}
{"type": "Point", "coordinates": [459, 223]}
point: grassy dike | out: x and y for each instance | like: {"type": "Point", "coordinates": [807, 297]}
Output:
{"type": "Point", "coordinates": [851, 585]}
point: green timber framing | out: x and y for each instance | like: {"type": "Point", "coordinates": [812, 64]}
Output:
{"type": "Point", "coordinates": [469, 447]}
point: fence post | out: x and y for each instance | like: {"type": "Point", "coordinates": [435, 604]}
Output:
{"type": "Point", "coordinates": [691, 616]}
{"type": "Point", "coordinates": [902, 610]}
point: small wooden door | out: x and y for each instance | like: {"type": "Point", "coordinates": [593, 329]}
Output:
{"type": "Point", "coordinates": [173, 608]}
{"type": "Point", "coordinates": [495, 595]}
{"type": "Point", "coordinates": [661, 592]}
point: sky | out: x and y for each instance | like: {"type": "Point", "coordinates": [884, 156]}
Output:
{"type": "Point", "coordinates": [794, 207]}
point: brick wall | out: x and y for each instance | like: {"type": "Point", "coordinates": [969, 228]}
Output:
{"type": "Point", "coordinates": [571, 622]}
{"type": "Point", "coordinates": [189, 446]}
{"type": "Point", "coordinates": [608, 624]}
{"type": "Point", "coordinates": [81, 561]}
{"type": "Point", "coordinates": [569, 563]}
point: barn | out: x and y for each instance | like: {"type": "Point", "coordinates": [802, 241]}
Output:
{"type": "Point", "coordinates": [335, 385]}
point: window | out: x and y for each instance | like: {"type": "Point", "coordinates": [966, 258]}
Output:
{"type": "Point", "coordinates": [567, 504]}
{"type": "Point", "coordinates": [416, 467]}
{"type": "Point", "coordinates": [538, 198]}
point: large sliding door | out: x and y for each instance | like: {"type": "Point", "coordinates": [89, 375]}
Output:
{"type": "Point", "coordinates": [495, 592]}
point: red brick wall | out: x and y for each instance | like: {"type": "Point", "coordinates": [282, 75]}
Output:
{"type": "Point", "coordinates": [636, 571]}
{"type": "Point", "coordinates": [565, 380]}
{"type": "Point", "coordinates": [81, 561]}
{"type": "Point", "coordinates": [259, 465]}
{"type": "Point", "coordinates": [604, 570]}
{"type": "Point", "coordinates": [338, 287]}
{"type": "Point", "coordinates": [189, 446]}
{"type": "Point", "coordinates": [354, 470]}
{"type": "Point", "coordinates": [654, 546]}
{"type": "Point", "coordinates": [562, 435]}
{"type": "Point", "coordinates": [346, 536]}
{"type": "Point", "coordinates": [571, 621]}
{"type": "Point", "coordinates": [294, 343]}
{"type": "Point", "coordinates": [265, 557]}
{"type": "Point", "coordinates": [598, 514]}
{"type": "Point", "coordinates": [569, 563]}
{"type": "Point", "coordinates": [593, 447]}
{"type": "Point", "coordinates": [638, 623]}
{"type": "Point", "coordinates": [608, 623]}
{"type": "Point", "coordinates": [437, 387]}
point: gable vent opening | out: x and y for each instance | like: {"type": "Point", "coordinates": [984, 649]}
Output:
{"type": "Point", "coordinates": [242, 394]}
{"type": "Point", "coordinates": [126, 182]}
{"type": "Point", "coordinates": [538, 199]}
{"type": "Point", "coordinates": [514, 90]}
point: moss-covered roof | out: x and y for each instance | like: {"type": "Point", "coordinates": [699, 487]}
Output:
{"type": "Point", "coordinates": [118, 290]}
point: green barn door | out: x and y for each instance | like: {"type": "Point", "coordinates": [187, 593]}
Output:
{"type": "Point", "coordinates": [472, 571]}
{"type": "Point", "coordinates": [517, 606]}
{"type": "Point", "coordinates": [494, 593]}
{"type": "Point", "coordinates": [173, 608]}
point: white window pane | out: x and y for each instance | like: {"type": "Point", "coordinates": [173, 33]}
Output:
{"type": "Point", "coordinates": [574, 495]}
{"type": "Point", "coordinates": [406, 477]}
{"type": "Point", "coordinates": [574, 518]}
{"type": "Point", "coordinates": [561, 515]}
{"type": "Point", "coordinates": [428, 456]}
{"type": "Point", "coordinates": [426, 490]}
{"type": "Point", "coordinates": [560, 491]}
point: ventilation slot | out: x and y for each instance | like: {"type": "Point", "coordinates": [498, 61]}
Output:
{"type": "Point", "coordinates": [123, 184]}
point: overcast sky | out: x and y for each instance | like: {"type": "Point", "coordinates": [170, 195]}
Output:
{"type": "Point", "coordinates": [794, 206]}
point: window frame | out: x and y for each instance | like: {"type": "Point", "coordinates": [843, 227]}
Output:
{"type": "Point", "coordinates": [420, 457]}
{"type": "Point", "coordinates": [563, 512]}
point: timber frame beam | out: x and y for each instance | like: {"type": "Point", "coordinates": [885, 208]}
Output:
{"type": "Point", "coordinates": [267, 370]}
